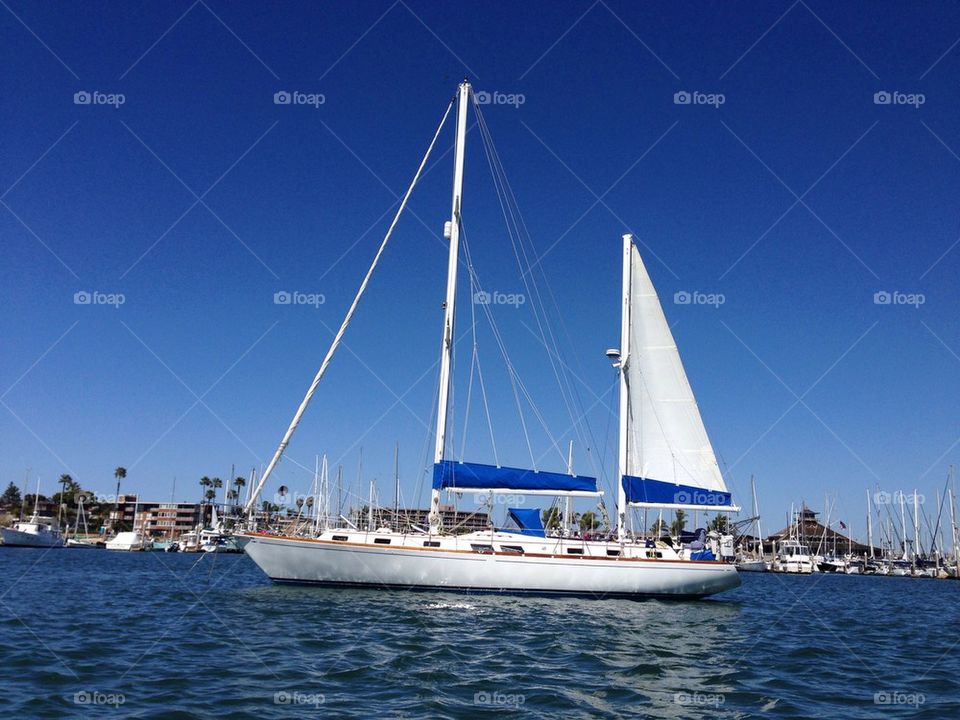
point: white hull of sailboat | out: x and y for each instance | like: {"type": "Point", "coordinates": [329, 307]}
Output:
{"type": "Point", "coordinates": [18, 538]}
{"type": "Point", "coordinates": [753, 566]}
{"type": "Point", "coordinates": [323, 562]}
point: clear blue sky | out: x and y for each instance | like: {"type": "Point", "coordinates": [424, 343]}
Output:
{"type": "Point", "coordinates": [797, 199]}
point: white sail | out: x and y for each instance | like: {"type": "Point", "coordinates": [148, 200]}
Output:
{"type": "Point", "coordinates": [666, 439]}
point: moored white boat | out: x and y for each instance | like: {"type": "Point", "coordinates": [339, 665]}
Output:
{"type": "Point", "coordinates": [793, 557]}
{"type": "Point", "coordinates": [665, 461]}
{"type": "Point", "coordinates": [38, 531]}
{"type": "Point", "coordinates": [127, 541]}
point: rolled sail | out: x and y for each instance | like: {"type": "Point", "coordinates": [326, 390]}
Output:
{"type": "Point", "coordinates": [453, 475]}
{"type": "Point", "coordinates": [670, 461]}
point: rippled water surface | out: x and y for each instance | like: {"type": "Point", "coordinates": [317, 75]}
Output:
{"type": "Point", "coordinates": [89, 633]}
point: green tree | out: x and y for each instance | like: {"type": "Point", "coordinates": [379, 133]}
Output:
{"type": "Point", "coordinates": [551, 519]}
{"type": "Point", "coordinates": [720, 524]}
{"type": "Point", "coordinates": [11, 498]}
{"type": "Point", "coordinates": [589, 522]}
{"type": "Point", "coordinates": [210, 494]}
{"type": "Point", "coordinates": [659, 527]}
{"type": "Point", "coordinates": [119, 473]}
{"type": "Point", "coordinates": [679, 521]}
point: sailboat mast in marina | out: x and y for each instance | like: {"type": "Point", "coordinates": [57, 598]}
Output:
{"type": "Point", "coordinates": [665, 461]}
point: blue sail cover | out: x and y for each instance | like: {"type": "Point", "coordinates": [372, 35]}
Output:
{"type": "Point", "coordinates": [528, 520]}
{"type": "Point", "coordinates": [657, 492]}
{"type": "Point", "coordinates": [474, 476]}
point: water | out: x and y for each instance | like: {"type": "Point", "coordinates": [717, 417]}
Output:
{"type": "Point", "coordinates": [89, 633]}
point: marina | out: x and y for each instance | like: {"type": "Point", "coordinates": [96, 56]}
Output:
{"type": "Point", "coordinates": [449, 361]}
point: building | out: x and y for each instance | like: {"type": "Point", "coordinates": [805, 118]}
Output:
{"type": "Point", "coordinates": [158, 520]}
{"type": "Point", "coordinates": [808, 529]}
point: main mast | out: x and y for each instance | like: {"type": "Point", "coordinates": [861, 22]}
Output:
{"type": "Point", "coordinates": [624, 389]}
{"type": "Point", "coordinates": [452, 233]}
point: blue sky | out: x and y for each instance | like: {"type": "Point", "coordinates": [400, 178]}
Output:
{"type": "Point", "coordinates": [797, 199]}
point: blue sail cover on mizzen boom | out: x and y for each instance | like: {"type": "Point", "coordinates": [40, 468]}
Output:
{"type": "Point", "coordinates": [645, 490]}
{"type": "Point", "coordinates": [474, 476]}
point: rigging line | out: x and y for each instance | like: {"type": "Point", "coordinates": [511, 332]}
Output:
{"type": "Point", "coordinates": [346, 321]}
{"type": "Point", "coordinates": [505, 194]}
{"type": "Point", "coordinates": [500, 344]}
{"type": "Point", "coordinates": [473, 362]}
{"type": "Point", "coordinates": [510, 214]}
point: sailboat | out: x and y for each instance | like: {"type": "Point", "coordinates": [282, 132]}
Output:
{"type": "Point", "coordinates": [83, 543]}
{"type": "Point", "coordinates": [665, 460]}
{"type": "Point", "coordinates": [754, 562]}
{"type": "Point", "coordinates": [39, 531]}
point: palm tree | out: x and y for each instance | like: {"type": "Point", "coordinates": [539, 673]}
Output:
{"type": "Point", "coordinates": [205, 483]}
{"type": "Point", "coordinates": [720, 524]}
{"type": "Point", "coordinates": [120, 473]}
{"type": "Point", "coordinates": [659, 527]}
{"type": "Point", "coordinates": [239, 482]}
{"type": "Point", "coordinates": [588, 522]}
{"type": "Point", "coordinates": [551, 519]}
{"type": "Point", "coordinates": [676, 527]}
{"type": "Point", "coordinates": [210, 494]}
